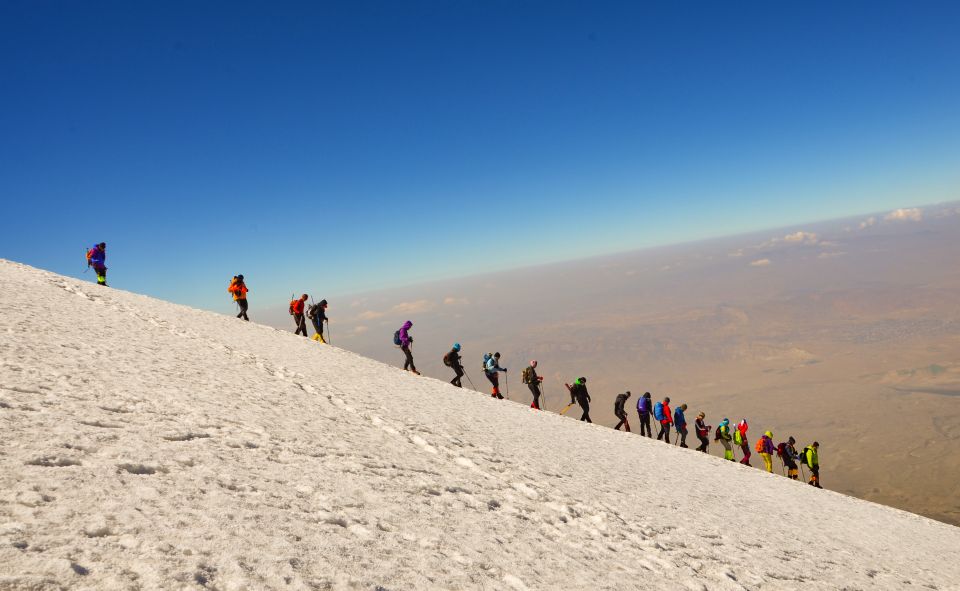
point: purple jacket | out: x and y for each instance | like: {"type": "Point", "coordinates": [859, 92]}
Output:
{"type": "Point", "coordinates": [404, 337]}
{"type": "Point", "coordinates": [767, 445]}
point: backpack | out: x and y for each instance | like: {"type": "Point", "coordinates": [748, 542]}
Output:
{"type": "Point", "coordinates": [658, 411]}
{"type": "Point", "coordinates": [312, 311]}
{"type": "Point", "coordinates": [446, 359]}
{"type": "Point", "coordinates": [716, 435]}
{"type": "Point", "coordinates": [526, 374]}
{"type": "Point", "coordinates": [292, 304]}
{"type": "Point", "coordinates": [396, 338]}
{"type": "Point", "coordinates": [760, 445]}
{"type": "Point", "coordinates": [644, 405]}
{"type": "Point", "coordinates": [737, 437]}
{"type": "Point", "coordinates": [781, 450]}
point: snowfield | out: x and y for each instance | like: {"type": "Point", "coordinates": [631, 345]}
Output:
{"type": "Point", "coordinates": [147, 445]}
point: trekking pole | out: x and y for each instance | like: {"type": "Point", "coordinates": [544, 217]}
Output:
{"type": "Point", "coordinates": [466, 375]}
{"type": "Point", "coordinates": [329, 338]}
{"type": "Point", "coordinates": [506, 383]}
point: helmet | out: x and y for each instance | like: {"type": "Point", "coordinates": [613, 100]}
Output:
{"type": "Point", "coordinates": [533, 363]}
{"type": "Point", "coordinates": [768, 434]}
{"type": "Point", "coordinates": [456, 346]}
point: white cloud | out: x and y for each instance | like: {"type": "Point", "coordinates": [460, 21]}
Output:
{"type": "Point", "coordinates": [914, 214]}
{"type": "Point", "coordinates": [801, 237]}
{"type": "Point", "coordinates": [369, 315]}
{"type": "Point", "coordinates": [870, 221]}
{"type": "Point", "coordinates": [736, 253]}
{"type": "Point", "coordinates": [360, 329]}
{"type": "Point", "coordinates": [452, 301]}
{"type": "Point", "coordinates": [760, 263]}
{"type": "Point", "coordinates": [414, 307]}
{"type": "Point", "coordinates": [829, 255]}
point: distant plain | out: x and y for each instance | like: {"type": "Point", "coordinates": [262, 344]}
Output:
{"type": "Point", "coordinates": [846, 332]}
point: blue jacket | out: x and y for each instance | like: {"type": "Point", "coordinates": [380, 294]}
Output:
{"type": "Point", "coordinates": [658, 411]}
{"type": "Point", "coordinates": [678, 419]}
{"type": "Point", "coordinates": [492, 366]}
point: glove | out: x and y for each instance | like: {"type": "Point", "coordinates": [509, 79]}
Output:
{"type": "Point", "coordinates": [539, 378]}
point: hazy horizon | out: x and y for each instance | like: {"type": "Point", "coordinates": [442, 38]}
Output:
{"type": "Point", "coordinates": [786, 327]}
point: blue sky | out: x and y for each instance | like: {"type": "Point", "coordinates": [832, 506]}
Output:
{"type": "Point", "coordinates": [338, 148]}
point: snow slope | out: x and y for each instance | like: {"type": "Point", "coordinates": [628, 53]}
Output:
{"type": "Point", "coordinates": [147, 445]}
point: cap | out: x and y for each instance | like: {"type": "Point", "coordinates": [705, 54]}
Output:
{"type": "Point", "coordinates": [323, 302]}
{"type": "Point", "coordinates": [240, 277]}
{"type": "Point", "coordinates": [456, 346]}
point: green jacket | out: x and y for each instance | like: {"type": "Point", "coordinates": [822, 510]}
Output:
{"type": "Point", "coordinates": [725, 433]}
{"type": "Point", "coordinates": [811, 456]}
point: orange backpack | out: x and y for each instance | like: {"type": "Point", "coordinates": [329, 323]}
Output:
{"type": "Point", "coordinates": [292, 304]}
{"type": "Point", "coordinates": [760, 445]}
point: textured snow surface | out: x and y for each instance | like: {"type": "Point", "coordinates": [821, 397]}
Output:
{"type": "Point", "coordinates": [147, 445]}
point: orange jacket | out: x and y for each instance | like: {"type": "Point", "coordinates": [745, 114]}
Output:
{"type": "Point", "coordinates": [239, 290]}
{"type": "Point", "coordinates": [298, 306]}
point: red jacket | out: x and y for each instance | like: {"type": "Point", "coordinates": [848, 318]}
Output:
{"type": "Point", "coordinates": [667, 415]}
{"type": "Point", "coordinates": [298, 306]}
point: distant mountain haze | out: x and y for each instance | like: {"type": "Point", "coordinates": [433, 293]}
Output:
{"type": "Point", "coordinates": [845, 332]}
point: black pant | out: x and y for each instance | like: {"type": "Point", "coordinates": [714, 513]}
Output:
{"type": "Point", "coordinates": [298, 319]}
{"type": "Point", "coordinates": [704, 442]}
{"type": "Point", "coordinates": [664, 432]}
{"type": "Point", "coordinates": [101, 274]}
{"type": "Point", "coordinates": [585, 405]}
{"type": "Point", "coordinates": [243, 309]}
{"type": "Point", "coordinates": [683, 435]}
{"type": "Point", "coordinates": [645, 428]}
{"type": "Point", "coordinates": [535, 390]}
{"type": "Point", "coordinates": [456, 380]}
{"type": "Point", "coordinates": [623, 422]}
{"type": "Point", "coordinates": [408, 363]}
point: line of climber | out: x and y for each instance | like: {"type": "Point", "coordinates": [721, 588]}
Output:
{"type": "Point", "coordinates": [728, 437]}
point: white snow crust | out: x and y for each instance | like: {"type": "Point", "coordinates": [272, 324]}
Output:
{"type": "Point", "coordinates": [147, 445]}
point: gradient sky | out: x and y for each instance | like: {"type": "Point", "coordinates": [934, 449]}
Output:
{"type": "Point", "coordinates": [338, 148]}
